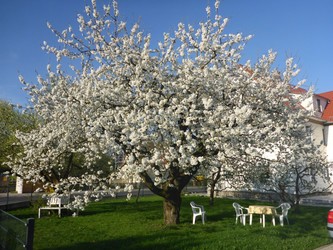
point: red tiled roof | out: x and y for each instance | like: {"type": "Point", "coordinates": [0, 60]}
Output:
{"type": "Point", "coordinates": [328, 111]}
{"type": "Point", "coordinates": [295, 90]}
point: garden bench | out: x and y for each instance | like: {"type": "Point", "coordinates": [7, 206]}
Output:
{"type": "Point", "coordinates": [55, 203]}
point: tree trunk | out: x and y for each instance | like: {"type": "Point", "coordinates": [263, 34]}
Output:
{"type": "Point", "coordinates": [215, 178]}
{"type": "Point", "coordinates": [297, 194]}
{"type": "Point", "coordinates": [171, 208]}
{"type": "Point", "coordinates": [212, 193]}
{"type": "Point", "coordinates": [171, 194]}
{"type": "Point", "coordinates": [138, 194]}
{"type": "Point", "coordinates": [282, 192]}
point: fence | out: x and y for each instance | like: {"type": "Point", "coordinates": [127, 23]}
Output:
{"type": "Point", "coordinates": [7, 183]}
{"type": "Point", "coordinates": [16, 234]}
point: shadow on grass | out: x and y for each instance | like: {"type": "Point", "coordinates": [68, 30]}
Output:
{"type": "Point", "coordinates": [141, 242]}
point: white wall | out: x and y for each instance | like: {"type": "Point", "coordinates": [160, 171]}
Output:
{"type": "Point", "coordinates": [311, 104]}
{"type": "Point", "coordinates": [19, 185]}
{"type": "Point", "coordinates": [308, 104]}
{"type": "Point", "coordinates": [330, 143]}
{"type": "Point", "coordinates": [317, 134]}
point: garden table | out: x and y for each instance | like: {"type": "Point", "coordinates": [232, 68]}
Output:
{"type": "Point", "coordinates": [262, 210]}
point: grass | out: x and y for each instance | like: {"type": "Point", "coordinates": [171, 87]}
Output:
{"type": "Point", "coordinates": [121, 224]}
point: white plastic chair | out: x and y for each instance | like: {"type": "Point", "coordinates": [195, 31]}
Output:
{"type": "Point", "coordinates": [240, 213]}
{"type": "Point", "coordinates": [284, 212]}
{"type": "Point", "coordinates": [198, 210]}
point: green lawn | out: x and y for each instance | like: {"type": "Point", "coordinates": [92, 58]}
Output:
{"type": "Point", "coordinates": [121, 224]}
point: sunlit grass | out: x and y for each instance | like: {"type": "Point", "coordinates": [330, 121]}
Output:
{"type": "Point", "coordinates": [121, 224]}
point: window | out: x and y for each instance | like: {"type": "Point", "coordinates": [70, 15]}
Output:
{"type": "Point", "coordinates": [308, 134]}
{"type": "Point", "coordinates": [327, 102]}
{"type": "Point", "coordinates": [330, 169]}
{"type": "Point", "coordinates": [324, 136]}
{"type": "Point", "coordinates": [319, 108]}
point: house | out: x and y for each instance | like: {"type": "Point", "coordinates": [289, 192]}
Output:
{"type": "Point", "coordinates": [321, 122]}
{"type": "Point", "coordinates": [320, 125]}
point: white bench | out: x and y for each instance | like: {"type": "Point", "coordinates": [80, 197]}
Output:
{"type": "Point", "coordinates": [55, 203]}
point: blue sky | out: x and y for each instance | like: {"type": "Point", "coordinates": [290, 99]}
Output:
{"type": "Point", "coordinates": [302, 29]}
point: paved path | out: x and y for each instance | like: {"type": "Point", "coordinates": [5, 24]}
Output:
{"type": "Point", "coordinates": [13, 200]}
{"type": "Point", "coordinates": [327, 247]}
{"type": "Point", "coordinates": [319, 200]}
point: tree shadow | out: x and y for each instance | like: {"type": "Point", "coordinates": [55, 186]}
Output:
{"type": "Point", "coordinates": [147, 242]}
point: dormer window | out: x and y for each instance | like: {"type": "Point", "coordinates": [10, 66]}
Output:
{"type": "Point", "coordinates": [327, 102]}
{"type": "Point", "coordinates": [319, 107]}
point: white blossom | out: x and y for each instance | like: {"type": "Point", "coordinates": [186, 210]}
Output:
{"type": "Point", "coordinates": [157, 114]}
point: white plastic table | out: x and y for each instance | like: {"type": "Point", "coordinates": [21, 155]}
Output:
{"type": "Point", "coordinates": [262, 210]}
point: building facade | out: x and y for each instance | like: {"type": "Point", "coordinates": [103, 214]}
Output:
{"type": "Point", "coordinates": [321, 122]}
{"type": "Point", "coordinates": [320, 126]}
